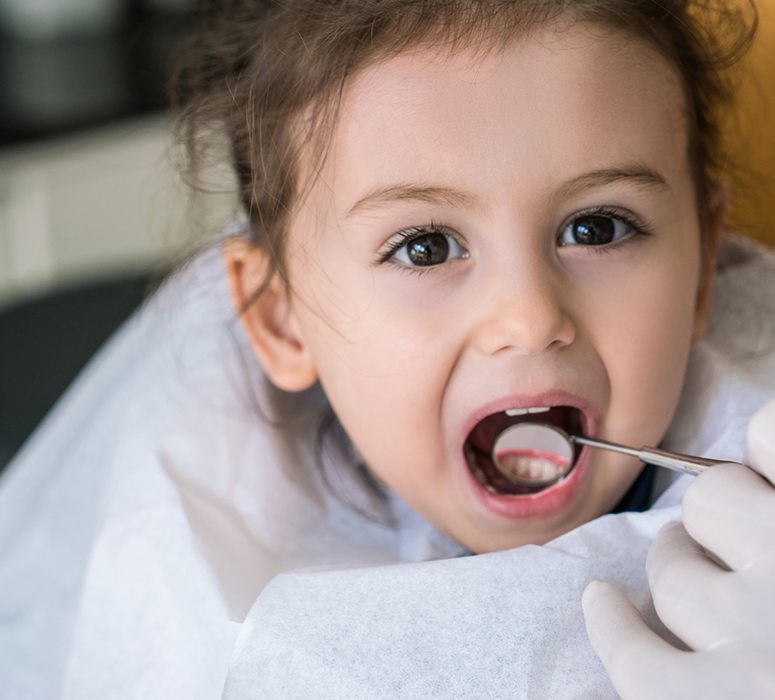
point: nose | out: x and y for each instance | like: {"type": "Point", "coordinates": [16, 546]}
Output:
{"type": "Point", "coordinates": [526, 317]}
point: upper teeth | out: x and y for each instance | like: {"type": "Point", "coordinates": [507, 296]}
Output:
{"type": "Point", "coordinates": [523, 411]}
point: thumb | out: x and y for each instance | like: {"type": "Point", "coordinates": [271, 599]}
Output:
{"type": "Point", "coordinates": [633, 655]}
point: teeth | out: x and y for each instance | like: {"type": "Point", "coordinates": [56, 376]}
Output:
{"type": "Point", "coordinates": [532, 468]}
{"type": "Point", "coordinates": [523, 411]}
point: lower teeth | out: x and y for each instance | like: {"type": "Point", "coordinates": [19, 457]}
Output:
{"type": "Point", "coordinates": [481, 478]}
{"type": "Point", "coordinates": [513, 474]}
{"type": "Point", "coordinates": [526, 468]}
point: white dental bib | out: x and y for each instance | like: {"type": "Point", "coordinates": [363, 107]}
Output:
{"type": "Point", "coordinates": [143, 529]}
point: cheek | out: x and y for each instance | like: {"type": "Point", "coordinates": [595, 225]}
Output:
{"type": "Point", "coordinates": [644, 341]}
{"type": "Point", "coordinates": [362, 320]}
{"type": "Point", "coordinates": [381, 362]}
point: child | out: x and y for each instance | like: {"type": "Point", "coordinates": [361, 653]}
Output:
{"type": "Point", "coordinates": [452, 210]}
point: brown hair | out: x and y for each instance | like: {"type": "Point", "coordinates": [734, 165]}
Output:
{"type": "Point", "coordinates": [268, 74]}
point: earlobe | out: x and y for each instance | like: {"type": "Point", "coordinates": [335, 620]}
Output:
{"type": "Point", "coordinates": [266, 314]}
{"type": "Point", "coordinates": [714, 224]}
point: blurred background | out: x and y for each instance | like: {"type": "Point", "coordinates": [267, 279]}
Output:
{"type": "Point", "coordinates": [91, 204]}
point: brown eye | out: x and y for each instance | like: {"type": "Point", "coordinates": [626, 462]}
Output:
{"type": "Point", "coordinates": [595, 230]}
{"type": "Point", "coordinates": [426, 249]}
{"type": "Point", "coordinates": [431, 249]}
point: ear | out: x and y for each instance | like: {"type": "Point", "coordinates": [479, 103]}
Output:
{"type": "Point", "coordinates": [714, 224]}
{"type": "Point", "coordinates": [268, 318]}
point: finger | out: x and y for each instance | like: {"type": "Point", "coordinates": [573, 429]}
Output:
{"type": "Point", "coordinates": [730, 510]}
{"type": "Point", "coordinates": [760, 442]}
{"type": "Point", "coordinates": [689, 590]}
{"type": "Point", "coordinates": [635, 658]}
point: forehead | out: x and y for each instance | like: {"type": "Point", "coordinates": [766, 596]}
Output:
{"type": "Point", "coordinates": [542, 109]}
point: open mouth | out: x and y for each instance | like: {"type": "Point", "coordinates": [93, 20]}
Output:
{"type": "Point", "coordinates": [525, 471]}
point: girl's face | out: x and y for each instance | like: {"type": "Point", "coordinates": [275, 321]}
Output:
{"type": "Point", "coordinates": [490, 232]}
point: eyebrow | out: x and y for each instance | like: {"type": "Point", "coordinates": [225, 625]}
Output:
{"type": "Point", "coordinates": [638, 174]}
{"type": "Point", "coordinates": [428, 194]}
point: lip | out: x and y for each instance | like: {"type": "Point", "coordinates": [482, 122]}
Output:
{"type": "Point", "coordinates": [553, 499]}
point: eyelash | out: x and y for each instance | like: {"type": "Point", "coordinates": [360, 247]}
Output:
{"type": "Point", "coordinates": [639, 228]}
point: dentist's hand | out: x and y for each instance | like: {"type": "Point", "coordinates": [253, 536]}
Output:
{"type": "Point", "coordinates": [724, 614]}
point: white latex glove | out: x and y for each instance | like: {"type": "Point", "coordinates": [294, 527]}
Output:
{"type": "Point", "coordinates": [724, 615]}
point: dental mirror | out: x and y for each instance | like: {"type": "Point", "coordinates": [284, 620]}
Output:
{"type": "Point", "coordinates": [533, 454]}
{"type": "Point", "coordinates": [539, 455]}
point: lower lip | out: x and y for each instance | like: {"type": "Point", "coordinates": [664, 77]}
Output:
{"type": "Point", "coordinates": [542, 504]}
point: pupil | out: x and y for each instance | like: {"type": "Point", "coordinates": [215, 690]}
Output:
{"type": "Point", "coordinates": [428, 250]}
{"type": "Point", "coordinates": [593, 230]}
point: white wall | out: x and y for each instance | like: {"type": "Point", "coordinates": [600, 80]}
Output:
{"type": "Point", "coordinates": [91, 205]}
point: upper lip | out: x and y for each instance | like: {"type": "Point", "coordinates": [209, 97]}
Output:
{"type": "Point", "coordinates": [554, 397]}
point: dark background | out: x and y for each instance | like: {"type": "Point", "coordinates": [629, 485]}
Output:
{"type": "Point", "coordinates": [51, 87]}
{"type": "Point", "coordinates": [61, 84]}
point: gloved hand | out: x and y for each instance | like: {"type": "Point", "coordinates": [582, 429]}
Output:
{"type": "Point", "coordinates": [724, 614]}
